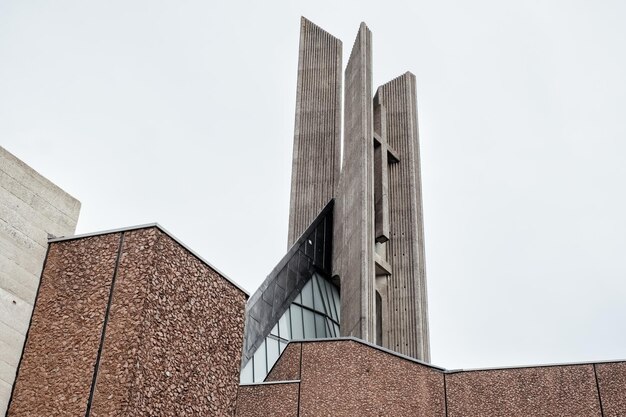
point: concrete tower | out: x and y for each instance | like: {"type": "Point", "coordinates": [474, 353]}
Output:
{"type": "Point", "coordinates": [317, 136]}
{"type": "Point", "coordinates": [378, 239]}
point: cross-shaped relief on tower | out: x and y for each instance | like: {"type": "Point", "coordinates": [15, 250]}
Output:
{"type": "Point", "coordinates": [383, 156]}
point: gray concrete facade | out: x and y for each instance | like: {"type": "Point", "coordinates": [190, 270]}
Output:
{"type": "Point", "coordinates": [378, 237]}
{"type": "Point", "coordinates": [353, 248]}
{"type": "Point", "coordinates": [31, 209]}
{"type": "Point", "coordinates": [403, 292]}
{"type": "Point", "coordinates": [317, 133]}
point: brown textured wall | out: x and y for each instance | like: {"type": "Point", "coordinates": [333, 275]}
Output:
{"type": "Point", "coordinates": [288, 367]}
{"type": "Point", "coordinates": [612, 385]}
{"type": "Point", "coordinates": [118, 365]}
{"type": "Point", "coordinates": [347, 378]}
{"type": "Point", "coordinates": [56, 370]}
{"type": "Point", "coordinates": [268, 400]}
{"type": "Point", "coordinates": [540, 391]}
{"type": "Point", "coordinates": [173, 335]}
{"type": "Point", "coordinates": [186, 347]}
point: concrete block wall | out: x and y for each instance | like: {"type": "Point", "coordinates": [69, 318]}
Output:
{"type": "Point", "coordinates": [31, 208]}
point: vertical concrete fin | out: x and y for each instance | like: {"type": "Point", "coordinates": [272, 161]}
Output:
{"type": "Point", "coordinates": [317, 133]}
{"type": "Point", "coordinates": [353, 258]}
{"type": "Point", "coordinates": [407, 299]}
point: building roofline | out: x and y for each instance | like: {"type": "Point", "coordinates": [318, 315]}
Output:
{"type": "Point", "coordinates": [291, 381]}
{"type": "Point", "coordinates": [148, 226]}
{"type": "Point", "coordinates": [363, 342]}
{"type": "Point", "coordinates": [544, 365]}
{"type": "Point", "coordinates": [451, 371]}
{"type": "Point", "coordinates": [290, 253]}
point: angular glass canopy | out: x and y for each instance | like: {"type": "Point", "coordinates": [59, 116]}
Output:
{"type": "Point", "coordinates": [313, 314]}
{"type": "Point", "coordinates": [296, 301]}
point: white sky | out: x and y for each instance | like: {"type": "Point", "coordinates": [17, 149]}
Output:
{"type": "Point", "coordinates": [182, 112]}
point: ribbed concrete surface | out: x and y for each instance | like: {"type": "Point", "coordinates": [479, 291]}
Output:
{"type": "Point", "coordinates": [407, 313]}
{"type": "Point", "coordinates": [31, 207]}
{"type": "Point", "coordinates": [317, 136]}
{"type": "Point", "coordinates": [353, 251]}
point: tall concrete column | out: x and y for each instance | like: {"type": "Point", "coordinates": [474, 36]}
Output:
{"type": "Point", "coordinates": [317, 136]}
{"type": "Point", "coordinates": [378, 238]}
{"type": "Point", "coordinates": [353, 249]}
{"type": "Point", "coordinates": [407, 304]}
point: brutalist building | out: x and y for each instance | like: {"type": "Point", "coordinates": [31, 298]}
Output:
{"type": "Point", "coordinates": [132, 322]}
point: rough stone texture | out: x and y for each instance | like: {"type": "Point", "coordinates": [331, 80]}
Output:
{"type": "Point", "coordinates": [406, 313]}
{"type": "Point", "coordinates": [31, 207]}
{"type": "Point", "coordinates": [287, 368]}
{"type": "Point", "coordinates": [317, 136]}
{"type": "Point", "coordinates": [268, 400]}
{"type": "Point", "coordinates": [55, 373]}
{"type": "Point", "coordinates": [172, 341]}
{"type": "Point", "coordinates": [612, 385]}
{"type": "Point", "coordinates": [348, 378]}
{"type": "Point", "coordinates": [539, 391]}
{"type": "Point", "coordinates": [353, 248]}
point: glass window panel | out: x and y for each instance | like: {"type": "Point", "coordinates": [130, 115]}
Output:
{"type": "Point", "coordinates": [275, 330]}
{"type": "Point", "coordinates": [320, 326]}
{"type": "Point", "coordinates": [272, 352]}
{"type": "Point", "coordinates": [330, 329]}
{"type": "Point", "coordinates": [327, 297]}
{"type": "Point", "coordinates": [307, 294]}
{"type": "Point", "coordinates": [284, 326]}
{"type": "Point", "coordinates": [309, 324]}
{"type": "Point", "coordinates": [297, 327]}
{"type": "Point", "coordinates": [331, 301]}
{"type": "Point", "coordinates": [337, 301]}
{"type": "Point", "coordinates": [282, 346]}
{"type": "Point", "coordinates": [317, 302]}
{"type": "Point", "coordinates": [298, 299]}
{"type": "Point", "coordinates": [337, 330]}
{"type": "Point", "coordinates": [260, 367]}
{"type": "Point", "coordinates": [246, 376]}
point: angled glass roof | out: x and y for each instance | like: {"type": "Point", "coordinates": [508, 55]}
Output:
{"type": "Point", "coordinates": [313, 314]}
{"type": "Point", "coordinates": [296, 301]}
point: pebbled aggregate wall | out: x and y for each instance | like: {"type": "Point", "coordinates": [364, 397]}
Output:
{"type": "Point", "coordinates": [349, 377]}
{"type": "Point", "coordinates": [538, 391]}
{"type": "Point", "coordinates": [278, 400]}
{"type": "Point", "coordinates": [288, 367]}
{"type": "Point", "coordinates": [55, 373]}
{"type": "Point", "coordinates": [612, 386]}
{"type": "Point", "coordinates": [172, 341]}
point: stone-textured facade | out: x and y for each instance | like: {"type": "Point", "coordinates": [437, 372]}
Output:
{"type": "Point", "coordinates": [130, 323]}
{"type": "Point", "coordinates": [348, 377]}
{"type": "Point", "coordinates": [31, 208]}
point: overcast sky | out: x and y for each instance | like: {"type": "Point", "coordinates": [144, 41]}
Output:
{"type": "Point", "coordinates": [182, 113]}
